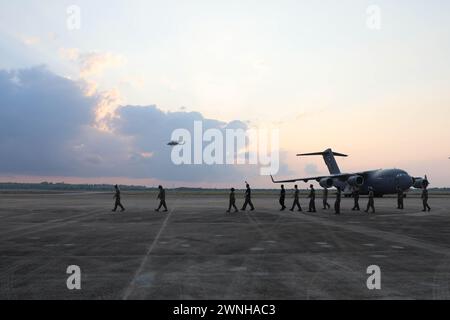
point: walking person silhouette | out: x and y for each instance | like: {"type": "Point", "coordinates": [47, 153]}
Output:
{"type": "Point", "coordinates": [162, 199]}
{"type": "Point", "coordinates": [117, 198]}
{"type": "Point", "coordinates": [296, 202]}
{"type": "Point", "coordinates": [232, 203]}
{"type": "Point", "coordinates": [248, 198]}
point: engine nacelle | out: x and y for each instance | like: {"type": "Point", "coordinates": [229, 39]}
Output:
{"type": "Point", "coordinates": [355, 181]}
{"type": "Point", "coordinates": [326, 183]}
{"type": "Point", "coordinates": [419, 183]}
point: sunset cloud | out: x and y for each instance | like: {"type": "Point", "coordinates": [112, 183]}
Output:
{"type": "Point", "coordinates": [50, 127]}
{"type": "Point", "coordinates": [92, 63]}
{"type": "Point", "coordinates": [95, 63]}
{"type": "Point", "coordinates": [70, 54]}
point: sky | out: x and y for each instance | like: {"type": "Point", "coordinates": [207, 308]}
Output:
{"type": "Point", "coordinates": [97, 102]}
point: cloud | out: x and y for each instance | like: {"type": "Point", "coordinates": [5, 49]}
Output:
{"type": "Point", "coordinates": [107, 103]}
{"type": "Point", "coordinates": [70, 54]}
{"type": "Point", "coordinates": [133, 81]}
{"type": "Point", "coordinates": [30, 40]}
{"type": "Point", "coordinates": [88, 87]}
{"type": "Point", "coordinates": [95, 63]}
{"type": "Point", "coordinates": [40, 112]}
{"type": "Point", "coordinates": [149, 129]}
{"type": "Point", "coordinates": [92, 63]}
{"type": "Point", "coordinates": [50, 128]}
{"type": "Point", "coordinates": [105, 111]}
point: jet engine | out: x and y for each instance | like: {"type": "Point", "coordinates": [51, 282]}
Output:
{"type": "Point", "coordinates": [326, 183]}
{"type": "Point", "coordinates": [355, 181]}
{"type": "Point", "coordinates": [420, 182]}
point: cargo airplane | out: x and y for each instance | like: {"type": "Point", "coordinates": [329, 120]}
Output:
{"type": "Point", "coordinates": [383, 181]}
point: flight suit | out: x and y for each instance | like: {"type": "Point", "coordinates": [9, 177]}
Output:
{"type": "Point", "coordinates": [400, 198]}
{"type": "Point", "coordinates": [337, 204]}
{"type": "Point", "coordinates": [425, 200]}
{"type": "Point", "coordinates": [117, 202]}
{"type": "Point", "coordinates": [356, 200]}
{"type": "Point", "coordinates": [296, 201]}
{"type": "Point", "coordinates": [162, 199]}
{"type": "Point", "coordinates": [248, 200]}
{"type": "Point", "coordinates": [282, 198]}
{"type": "Point", "coordinates": [232, 202]}
{"type": "Point", "coordinates": [312, 200]}
{"type": "Point", "coordinates": [326, 205]}
{"type": "Point", "coordinates": [371, 203]}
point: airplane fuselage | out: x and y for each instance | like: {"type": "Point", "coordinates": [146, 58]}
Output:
{"type": "Point", "coordinates": [383, 181]}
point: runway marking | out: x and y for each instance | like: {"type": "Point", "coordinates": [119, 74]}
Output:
{"type": "Point", "coordinates": [129, 290]}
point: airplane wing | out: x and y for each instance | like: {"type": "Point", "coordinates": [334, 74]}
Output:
{"type": "Point", "coordinates": [340, 176]}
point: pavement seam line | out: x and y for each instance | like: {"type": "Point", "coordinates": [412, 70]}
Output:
{"type": "Point", "coordinates": [129, 290]}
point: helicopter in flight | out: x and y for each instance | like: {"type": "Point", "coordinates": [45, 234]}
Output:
{"type": "Point", "coordinates": [173, 143]}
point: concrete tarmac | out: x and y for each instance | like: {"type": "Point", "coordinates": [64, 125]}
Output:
{"type": "Point", "coordinates": [197, 251]}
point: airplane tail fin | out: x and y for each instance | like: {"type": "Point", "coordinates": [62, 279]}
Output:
{"type": "Point", "coordinates": [328, 156]}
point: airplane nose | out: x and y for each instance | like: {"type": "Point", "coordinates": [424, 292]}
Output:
{"type": "Point", "coordinates": [406, 181]}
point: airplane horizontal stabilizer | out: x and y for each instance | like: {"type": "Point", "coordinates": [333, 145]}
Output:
{"type": "Point", "coordinates": [337, 154]}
